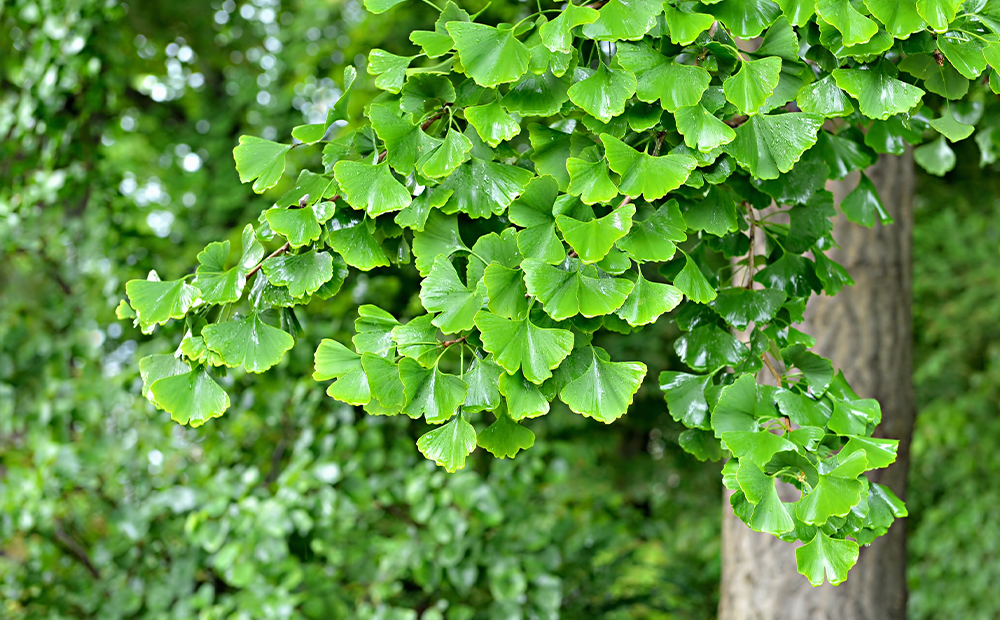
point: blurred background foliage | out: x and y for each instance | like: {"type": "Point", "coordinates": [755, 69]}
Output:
{"type": "Point", "coordinates": [117, 124]}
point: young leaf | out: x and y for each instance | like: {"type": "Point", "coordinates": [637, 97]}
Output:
{"type": "Point", "coordinates": [524, 399]}
{"type": "Point", "coordinates": [190, 398]}
{"type": "Point", "coordinates": [707, 349]}
{"type": "Point", "coordinates": [701, 129]}
{"type": "Point", "coordinates": [441, 291]}
{"type": "Point", "coordinates": [852, 25]}
{"type": "Point", "coordinates": [522, 345]}
{"type": "Point", "coordinates": [901, 19]}
{"type": "Point", "coordinates": [557, 34]}
{"type": "Point", "coordinates": [483, 378]}
{"type": "Point", "coordinates": [390, 69]}
{"type": "Point", "coordinates": [746, 18]}
{"type": "Point", "coordinates": [605, 390]}
{"type": "Point", "coordinates": [593, 239]}
{"type": "Point", "coordinates": [492, 123]}
{"type": "Point", "coordinates": [824, 98]}
{"type": "Point", "coordinates": [691, 281]}
{"type": "Point", "coordinates": [219, 285]}
{"type": "Point", "coordinates": [374, 331]}
{"type": "Point", "coordinates": [861, 205]}
{"type": "Point", "coordinates": [879, 94]}
{"type": "Point", "coordinates": [505, 437]}
{"type": "Point", "coordinates": [404, 141]}
{"type": "Point", "coordinates": [418, 340]}
{"type": "Point", "coordinates": [739, 306]}
{"type": "Point", "coordinates": [371, 187]}
{"type": "Point", "coordinates": [302, 274]}
{"type": "Point", "coordinates": [489, 55]}
{"type": "Point", "coordinates": [753, 84]}
{"type": "Point", "coordinates": [152, 368]}
{"type": "Point", "coordinates": [449, 445]}
{"type": "Point", "coordinates": [335, 361]}
{"type": "Point", "coordinates": [769, 144]}
{"type": "Point", "coordinates": [835, 494]}
{"type": "Point", "coordinates": [654, 238]}
{"type": "Point", "coordinates": [260, 159]}
{"type": "Point", "coordinates": [439, 237]}
{"type": "Point", "coordinates": [351, 237]}
{"type": "Point", "coordinates": [506, 291]}
{"type": "Point", "coordinates": [590, 181]}
{"type": "Point", "coordinates": [623, 20]}
{"type": "Point", "coordinates": [300, 226]}
{"type": "Point", "coordinates": [828, 557]}
{"type": "Point", "coordinates": [249, 342]}
{"type": "Point", "coordinates": [569, 290]}
{"type": "Point", "coordinates": [652, 177]}
{"type": "Point", "coordinates": [938, 13]}
{"type": "Point", "coordinates": [935, 157]}
{"type": "Point", "coordinates": [647, 301]}
{"type": "Point", "coordinates": [430, 392]}
{"type": "Point", "coordinates": [444, 158]}
{"type": "Point", "coordinates": [603, 94]}
{"type": "Point", "coordinates": [769, 513]}
{"type": "Point", "coordinates": [685, 396]}
{"type": "Point", "coordinates": [383, 382]}
{"type": "Point", "coordinates": [157, 302]}
{"type": "Point", "coordinates": [482, 189]}
{"type": "Point", "coordinates": [685, 27]}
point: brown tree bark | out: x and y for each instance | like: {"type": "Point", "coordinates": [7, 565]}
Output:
{"type": "Point", "coordinates": [867, 331]}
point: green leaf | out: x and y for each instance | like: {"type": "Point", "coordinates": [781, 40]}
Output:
{"type": "Point", "coordinates": [740, 307]}
{"type": "Point", "coordinates": [482, 189]}
{"type": "Point", "coordinates": [852, 25]}
{"type": "Point", "coordinates": [351, 237]}
{"type": "Point", "coordinates": [741, 404]}
{"type": "Point", "coordinates": [302, 274]}
{"type": "Point", "coordinates": [557, 35]}
{"type": "Point", "coordinates": [753, 84]}
{"type": "Point", "coordinates": [430, 392]}
{"type": "Point", "coordinates": [901, 19]}
{"type": "Point", "coordinates": [879, 94]}
{"type": "Point", "coordinates": [300, 226]}
{"type": "Point", "coordinates": [439, 237]}
{"type": "Point", "coordinates": [878, 452]}
{"type": "Point", "coordinates": [852, 417]}
{"type": "Point", "coordinates": [624, 20]}
{"type": "Point", "coordinates": [605, 390]}
{"type": "Point", "coordinates": [370, 187]}
{"type": "Point", "coordinates": [423, 92]}
{"type": "Point", "coordinates": [825, 556]}
{"type": "Point", "coordinates": [935, 157]}
{"type": "Point", "coordinates": [685, 27]}
{"type": "Point", "coordinates": [219, 285]}
{"type": "Point", "coordinates": [938, 13]}
{"type": "Point", "coordinates": [746, 19]}
{"type": "Point", "coordinates": [715, 214]}
{"type": "Point", "coordinates": [309, 188]}
{"type": "Point", "coordinates": [152, 368]}
{"type": "Point", "coordinates": [418, 340]}
{"type": "Point", "coordinates": [835, 494]}
{"type": "Point", "coordinates": [505, 291]}
{"type": "Point", "coordinates": [335, 361]}
{"type": "Point", "coordinates": [861, 205]}
{"type": "Point", "coordinates": [951, 128]}
{"type": "Point", "coordinates": [260, 159]}
{"type": "Point", "coordinates": [524, 399]}
{"type": "Point", "coordinates": [604, 93]}
{"type": "Point", "coordinates": [708, 348]}
{"type": "Point", "coordinates": [449, 445]}
{"type": "Point", "coordinates": [685, 396]}
{"type": "Point", "coordinates": [492, 123]}
{"type": "Point", "coordinates": [190, 398]}
{"type": "Point", "coordinates": [374, 331]}
{"type": "Point", "coordinates": [404, 141]}
{"type": "Point", "coordinates": [442, 291]}
{"type": "Point", "coordinates": [522, 345]}
{"type": "Point", "coordinates": [674, 85]}
{"type": "Point", "coordinates": [592, 240]}
{"type": "Point", "coordinates": [390, 69]}
{"type": "Point", "coordinates": [438, 42]}
{"type": "Point", "coordinates": [652, 177]}
{"type": "Point", "coordinates": [483, 378]}
{"type": "Point", "coordinates": [701, 129]}
{"type": "Point", "coordinates": [249, 342]}
{"type": "Point", "coordinates": [691, 281]}
{"type": "Point", "coordinates": [157, 302]}
{"type": "Point", "coordinates": [756, 447]}
{"type": "Point", "coordinates": [803, 410]}
{"type": "Point", "coordinates": [383, 382]}
{"type": "Point", "coordinates": [505, 437]}
{"type": "Point", "coordinates": [446, 157]}
{"type": "Point", "coordinates": [537, 95]}
{"type": "Point", "coordinates": [769, 144]}
{"type": "Point", "coordinates": [769, 514]}
{"type": "Point", "coordinates": [798, 12]}
{"type": "Point", "coordinates": [570, 289]}
{"type": "Point", "coordinates": [590, 181]}
{"type": "Point", "coordinates": [381, 6]}
{"type": "Point", "coordinates": [647, 301]}
{"type": "Point", "coordinates": [654, 238]}
{"type": "Point", "coordinates": [533, 211]}
{"type": "Point", "coordinates": [489, 55]}
{"type": "Point", "coordinates": [702, 444]}
{"type": "Point", "coordinates": [824, 98]}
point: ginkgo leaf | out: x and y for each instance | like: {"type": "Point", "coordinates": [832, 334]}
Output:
{"type": "Point", "coordinates": [715, 213]}
{"type": "Point", "coordinates": [249, 342]}
{"type": "Point", "coordinates": [302, 274]}
{"type": "Point", "coordinates": [701, 129]}
{"type": "Point", "coordinates": [405, 142]}
{"type": "Point", "coordinates": [390, 69]}
{"type": "Point", "coordinates": [157, 302]}
{"type": "Point", "coordinates": [482, 189]}
{"type": "Point", "coordinates": [415, 216]}
{"type": "Point", "coordinates": [878, 92]}
{"type": "Point", "coordinates": [449, 445]}
{"type": "Point", "coordinates": [506, 291]}
{"type": "Point", "coordinates": [381, 6]}
{"type": "Point", "coordinates": [374, 331]}
{"type": "Point", "coordinates": [863, 203]}
{"type": "Point", "coordinates": [152, 368]}
{"type": "Point", "coordinates": [537, 95]}
{"type": "Point", "coordinates": [938, 13]}
{"type": "Point", "coordinates": [370, 187]}
{"type": "Point", "coordinates": [483, 378]}
{"type": "Point", "coordinates": [490, 249]}
{"type": "Point", "coordinates": [692, 282]}
{"type": "Point", "coordinates": [685, 27]}
{"type": "Point", "coordinates": [798, 12]}
{"type": "Point", "coordinates": [655, 238]}
{"type": "Point", "coordinates": [524, 399]}
{"type": "Point", "coordinates": [442, 160]}
{"type": "Point", "coordinates": [219, 285]}
{"type": "Point", "coordinates": [593, 239]}
{"type": "Point", "coordinates": [827, 557]}
{"type": "Point", "coordinates": [605, 390]}
{"type": "Point", "coordinates": [685, 396]}
{"type": "Point", "coordinates": [383, 382]}
{"type": "Point", "coordinates": [745, 18]}
{"type": "Point", "coordinates": [935, 157]}
{"type": "Point", "coordinates": [835, 493]}
{"type": "Point", "coordinates": [521, 345]}
{"type": "Point", "coordinates": [824, 98]}
{"type": "Point", "coordinates": [260, 159]}
{"type": "Point", "coordinates": [505, 437]}
{"type": "Point", "coordinates": [674, 85]}
{"type": "Point", "coordinates": [854, 27]}
{"type": "Point", "coordinates": [641, 173]}
{"type": "Point", "coordinates": [769, 513]}
{"type": "Point", "coordinates": [590, 181]}
{"type": "Point", "coordinates": [190, 398]}
{"type": "Point", "coordinates": [570, 289]}
{"type": "Point", "coordinates": [647, 301]}
{"type": "Point", "coordinates": [740, 307]}
{"type": "Point", "coordinates": [756, 447]}
{"type": "Point", "coordinates": [300, 226]}
{"type": "Point", "coordinates": [901, 19]}
{"type": "Point", "coordinates": [489, 55]}
{"type": "Point", "coordinates": [951, 128]}
{"type": "Point", "coordinates": [335, 361]}
{"type": "Point", "coordinates": [557, 35]}
{"type": "Point", "coordinates": [769, 144]}
{"type": "Point", "coordinates": [623, 20]}
{"type": "Point", "coordinates": [753, 84]}
{"type": "Point", "coordinates": [604, 93]}
{"type": "Point", "coordinates": [492, 122]}
{"type": "Point", "coordinates": [350, 236]}
{"type": "Point", "coordinates": [878, 452]}
{"type": "Point", "coordinates": [439, 237]}
{"type": "Point", "coordinates": [438, 42]}
{"type": "Point", "coordinates": [442, 291]}
{"type": "Point", "coordinates": [430, 392]}
{"type": "Point", "coordinates": [418, 340]}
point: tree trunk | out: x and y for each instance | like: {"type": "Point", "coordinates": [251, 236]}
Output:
{"type": "Point", "coordinates": [867, 331]}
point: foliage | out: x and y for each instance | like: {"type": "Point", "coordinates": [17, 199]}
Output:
{"type": "Point", "coordinates": [531, 238]}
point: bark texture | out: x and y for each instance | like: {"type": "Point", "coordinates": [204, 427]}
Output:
{"type": "Point", "coordinates": [867, 331]}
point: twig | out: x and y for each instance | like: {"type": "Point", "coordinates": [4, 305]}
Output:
{"type": "Point", "coordinates": [277, 252]}
{"type": "Point", "coordinates": [659, 143]}
{"type": "Point", "coordinates": [431, 120]}
{"type": "Point", "coordinates": [76, 550]}
{"type": "Point", "coordinates": [770, 366]}
{"type": "Point", "coordinates": [448, 343]}
{"type": "Point", "coordinates": [751, 257]}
